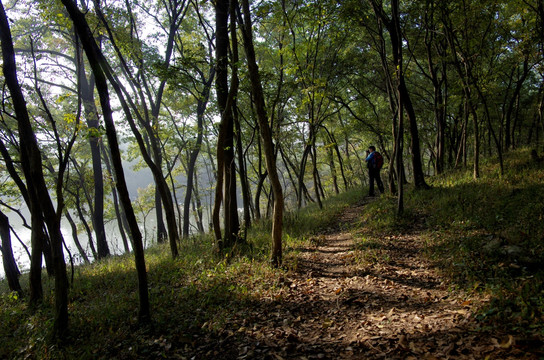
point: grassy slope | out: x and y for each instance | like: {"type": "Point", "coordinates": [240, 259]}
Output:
{"type": "Point", "coordinates": [190, 296]}
{"type": "Point", "coordinates": [486, 234]}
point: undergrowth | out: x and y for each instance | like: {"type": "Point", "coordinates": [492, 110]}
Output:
{"type": "Point", "coordinates": [485, 234]}
{"type": "Point", "coordinates": [192, 296]}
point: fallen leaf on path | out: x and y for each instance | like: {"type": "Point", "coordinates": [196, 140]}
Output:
{"type": "Point", "coordinates": [403, 343]}
{"type": "Point", "coordinates": [505, 344]}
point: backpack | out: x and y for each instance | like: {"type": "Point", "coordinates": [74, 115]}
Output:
{"type": "Point", "coordinates": [378, 160]}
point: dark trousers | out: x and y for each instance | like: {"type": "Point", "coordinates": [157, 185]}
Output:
{"type": "Point", "coordinates": [374, 174]}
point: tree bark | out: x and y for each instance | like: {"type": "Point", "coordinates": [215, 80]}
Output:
{"type": "Point", "coordinates": [340, 160]}
{"type": "Point", "coordinates": [201, 107]}
{"type": "Point", "coordinates": [37, 237]}
{"type": "Point", "coordinates": [32, 168]}
{"type": "Point", "coordinates": [99, 67]}
{"type": "Point", "coordinates": [333, 170]}
{"type": "Point", "coordinates": [75, 237]}
{"type": "Point", "coordinates": [266, 136]}
{"type": "Point", "coordinates": [225, 143]}
{"type": "Point", "coordinates": [148, 122]}
{"type": "Point", "coordinates": [243, 176]}
{"type": "Point", "coordinates": [122, 223]}
{"type": "Point", "coordinates": [395, 33]}
{"type": "Point", "coordinates": [91, 115]}
{"type": "Point", "coordinates": [85, 224]}
{"type": "Point", "coordinates": [10, 266]}
{"type": "Point", "coordinates": [509, 136]}
{"type": "Point", "coordinates": [315, 174]}
{"type": "Point", "coordinates": [303, 162]}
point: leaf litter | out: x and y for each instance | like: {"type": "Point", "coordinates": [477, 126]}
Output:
{"type": "Point", "coordinates": [334, 307]}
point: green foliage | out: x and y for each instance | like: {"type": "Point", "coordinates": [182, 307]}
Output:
{"type": "Point", "coordinates": [486, 234]}
{"type": "Point", "coordinates": [194, 294]}
{"type": "Point", "coordinates": [310, 221]}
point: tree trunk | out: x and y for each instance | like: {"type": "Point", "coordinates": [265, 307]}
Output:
{"type": "Point", "coordinates": [91, 114]}
{"type": "Point", "coordinates": [201, 107]}
{"type": "Point", "coordinates": [162, 233]}
{"type": "Point", "coordinates": [221, 85]}
{"type": "Point", "coordinates": [303, 162]}
{"type": "Point", "coordinates": [403, 100]}
{"type": "Point", "coordinates": [36, 240]}
{"type": "Point", "coordinates": [348, 157]}
{"type": "Point", "coordinates": [333, 170]}
{"type": "Point", "coordinates": [289, 165]}
{"type": "Point", "coordinates": [489, 125]}
{"type": "Point", "coordinates": [99, 67]}
{"type": "Point", "coordinates": [122, 224]}
{"type": "Point", "coordinates": [10, 266]}
{"type": "Point", "coordinates": [266, 136]}
{"type": "Point", "coordinates": [508, 140]}
{"type": "Point", "coordinates": [400, 130]}
{"type": "Point", "coordinates": [243, 176]}
{"type": "Point", "coordinates": [476, 134]}
{"type": "Point", "coordinates": [260, 184]}
{"type": "Point", "coordinates": [439, 106]}
{"type": "Point", "coordinates": [85, 224]}
{"type": "Point", "coordinates": [32, 167]}
{"type": "Point", "coordinates": [225, 142]}
{"type": "Point", "coordinates": [149, 121]}
{"type": "Point", "coordinates": [395, 33]}
{"type": "Point", "coordinates": [419, 176]}
{"type": "Point", "coordinates": [75, 237]}
{"type": "Point", "coordinates": [315, 174]}
{"type": "Point", "coordinates": [37, 236]}
{"type": "Point", "coordinates": [197, 208]}
{"type": "Point", "coordinates": [340, 160]}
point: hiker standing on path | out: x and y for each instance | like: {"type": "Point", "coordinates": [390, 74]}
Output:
{"type": "Point", "coordinates": [374, 162]}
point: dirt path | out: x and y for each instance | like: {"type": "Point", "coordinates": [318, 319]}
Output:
{"type": "Point", "coordinates": [395, 306]}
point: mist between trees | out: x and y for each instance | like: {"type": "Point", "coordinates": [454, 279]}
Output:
{"type": "Point", "coordinates": [243, 111]}
{"type": "Point", "coordinates": [140, 185]}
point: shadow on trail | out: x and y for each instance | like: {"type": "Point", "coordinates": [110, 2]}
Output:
{"type": "Point", "coordinates": [295, 328]}
{"type": "Point", "coordinates": [416, 283]}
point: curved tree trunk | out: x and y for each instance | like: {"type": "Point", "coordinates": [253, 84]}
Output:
{"type": "Point", "coordinates": [99, 68]}
{"type": "Point", "coordinates": [119, 212]}
{"type": "Point", "coordinates": [266, 135]}
{"type": "Point", "coordinates": [340, 160]}
{"type": "Point", "coordinates": [315, 175]}
{"type": "Point", "coordinates": [393, 27]}
{"type": "Point", "coordinates": [75, 237]}
{"type": "Point", "coordinates": [37, 237]}
{"type": "Point", "coordinates": [301, 185]}
{"type": "Point", "coordinates": [148, 119]}
{"type": "Point", "coordinates": [32, 167]}
{"type": "Point", "coordinates": [10, 266]}
{"type": "Point", "coordinates": [36, 240]}
{"type": "Point", "coordinates": [201, 107]}
{"type": "Point", "coordinates": [288, 165]}
{"type": "Point", "coordinates": [509, 138]}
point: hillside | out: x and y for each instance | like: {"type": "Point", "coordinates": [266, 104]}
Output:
{"type": "Point", "coordinates": [458, 276]}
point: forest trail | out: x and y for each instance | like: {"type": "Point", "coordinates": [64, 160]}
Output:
{"type": "Point", "coordinates": [395, 306]}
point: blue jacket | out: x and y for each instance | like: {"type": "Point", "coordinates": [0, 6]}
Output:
{"type": "Point", "coordinates": [371, 161]}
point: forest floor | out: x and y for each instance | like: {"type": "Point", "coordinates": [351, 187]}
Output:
{"type": "Point", "coordinates": [394, 305]}
{"type": "Point", "coordinates": [459, 275]}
